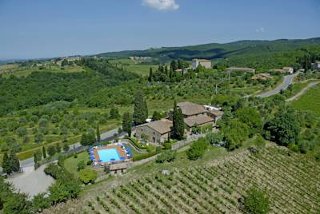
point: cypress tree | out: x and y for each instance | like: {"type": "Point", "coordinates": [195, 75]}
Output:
{"type": "Point", "coordinates": [140, 112]}
{"type": "Point", "coordinates": [98, 133]}
{"type": "Point", "coordinates": [173, 65]}
{"type": "Point", "coordinates": [15, 164]}
{"type": "Point", "coordinates": [44, 152]}
{"type": "Point", "coordinates": [178, 123]}
{"type": "Point", "coordinates": [6, 164]}
{"type": "Point", "coordinates": [150, 78]}
{"type": "Point", "coordinates": [35, 158]}
{"type": "Point", "coordinates": [126, 123]}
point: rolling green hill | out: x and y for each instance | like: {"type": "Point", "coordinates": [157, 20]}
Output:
{"type": "Point", "coordinates": [216, 50]}
{"type": "Point", "coordinates": [259, 54]}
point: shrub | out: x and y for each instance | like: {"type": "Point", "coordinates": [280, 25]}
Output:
{"type": "Point", "coordinates": [144, 156]}
{"type": "Point", "coordinates": [256, 201]}
{"type": "Point", "coordinates": [88, 176]}
{"type": "Point", "coordinates": [51, 150]}
{"type": "Point", "coordinates": [168, 156]}
{"type": "Point", "coordinates": [81, 165]}
{"type": "Point", "coordinates": [167, 145]}
{"type": "Point", "coordinates": [259, 142]}
{"type": "Point", "coordinates": [54, 170]}
{"type": "Point", "coordinates": [214, 138]}
{"type": "Point", "coordinates": [64, 189]}
{"type": "Point", "coordinates": [197, 149]}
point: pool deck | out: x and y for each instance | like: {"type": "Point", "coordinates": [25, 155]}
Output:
{"type": "Point", "coordinates": [120, 151]}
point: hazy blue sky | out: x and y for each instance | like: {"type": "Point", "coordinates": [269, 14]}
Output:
{"type": "Point", "coordinates": [48, 28]}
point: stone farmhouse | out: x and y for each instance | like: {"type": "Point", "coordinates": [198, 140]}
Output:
{"type": "Point", "coordinates": [203, 62]}
{"type": "Point", "coordinates": [155, 132]}
{"type": "Point", "coordinates": [194, 115]}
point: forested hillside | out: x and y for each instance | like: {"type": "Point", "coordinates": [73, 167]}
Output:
{"type": "Point", "coordinates": [258, 54]}
{"type": "Point", "coordinates": [40, 88]}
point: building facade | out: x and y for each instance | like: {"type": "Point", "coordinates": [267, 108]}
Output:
{"type": "Point", "coordinates": [203, 62]}
{"type": "Point", "coordinates": [155, 132]}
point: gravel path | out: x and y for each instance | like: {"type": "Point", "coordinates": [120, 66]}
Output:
{"type": "Point", "coordinates": [303, 91]}
{"type": "Point", "coordinates": [31, 181]}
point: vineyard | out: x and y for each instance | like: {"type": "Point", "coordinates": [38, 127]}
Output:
{"type": "Point", "coordinates": [292, 182]}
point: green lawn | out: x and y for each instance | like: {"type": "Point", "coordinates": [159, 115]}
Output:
{"type": "Point", "coordinates": [71, 163]}
{"type": "Point", "coordinates": [129, 65]}
{"type": "Point", "coordinates": [309, 101]}
{"type": "Point", "coordinates": [25, 71]}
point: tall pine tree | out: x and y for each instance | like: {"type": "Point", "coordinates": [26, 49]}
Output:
{"type": "Point", "coordinates": [150, 78]}
{"type": "Point", "coordinates": [10, 163]}
{"type": "Point", "coordinates": [140, 111]}
{"type": "Point", "coordinates": [6, 165]}
{"type": "Point", "coordinates": [178, 123]}
{"type": "Point", "coordinates": [127, 123]}
{"type": "Point", "coordinates": [15, 164]}
{"type": "Point", "coordinates": [98, 133]}
{"type": "Point", "coordinates": [44, 152]}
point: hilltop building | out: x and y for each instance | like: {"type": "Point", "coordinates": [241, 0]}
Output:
{"type": "Point", "coordinates": [289, 70]}
{"type": "Point", "coordinates": [203, 62]}
{"type": "Point", "coordinates": [284, 70]}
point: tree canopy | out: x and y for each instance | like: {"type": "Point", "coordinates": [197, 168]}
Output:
{"type": "Point", "coordinates": [284, 128]}
{"type": "Point", "coordinates": [178, 123]}
{"type": "Point", "coordinates": [140, 111]}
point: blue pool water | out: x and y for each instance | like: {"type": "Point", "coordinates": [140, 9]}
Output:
{"type": "Point", "coordinates": [107, 155]}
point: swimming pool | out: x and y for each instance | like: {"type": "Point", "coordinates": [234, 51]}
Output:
{"type": "Point", "coordinates": [107, 155]}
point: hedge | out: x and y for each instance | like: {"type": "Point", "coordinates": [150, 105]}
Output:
{"type": "Point", "coordinates": [144, 156]}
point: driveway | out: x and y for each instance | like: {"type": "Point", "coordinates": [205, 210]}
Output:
{"type": "Point", "coordinates": [31, 181]}
{"type": "Point", "coordinates": [287, 81]}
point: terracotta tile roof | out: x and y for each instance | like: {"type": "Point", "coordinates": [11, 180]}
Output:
{"type": "Point", "coordinates": [190, 109]}
{"type": "Point", "coordinates": [161, 126]}
{"type": "Point", "coordinates": [198, 120]}
{"type": "Point", "coordinates": [217, 113]}
{"type": "Point", "coordinates": [118, 166]}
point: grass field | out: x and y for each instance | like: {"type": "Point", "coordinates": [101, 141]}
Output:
{"type": "Point", "coordinates": [129, 65]}
{"type": "Point", "coordinates": [71, 163]}
{"type": "Point", "coordinates": [309, 101]}
{"type": "Point", "coordinates": [291, 181]}
{"type": "Point", "coordinates": [14, 69]}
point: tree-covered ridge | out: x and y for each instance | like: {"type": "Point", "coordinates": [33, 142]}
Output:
{"type": "Point", "coordinates": [258, 54]}
{"type": "Point", "coordinates": [40, 88]}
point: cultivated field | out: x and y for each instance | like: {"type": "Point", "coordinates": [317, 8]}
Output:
{"type": "Point", "coordinates": [291, 181]}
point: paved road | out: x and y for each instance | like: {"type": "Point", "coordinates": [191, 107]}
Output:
{"type": "Point", "coordinates": [287, 81]}
{"type": "Point", "coordinates": [303, 91]}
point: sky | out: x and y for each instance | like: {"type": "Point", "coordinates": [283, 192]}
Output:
{"type": "Point", "coordinates": [52, 28]}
